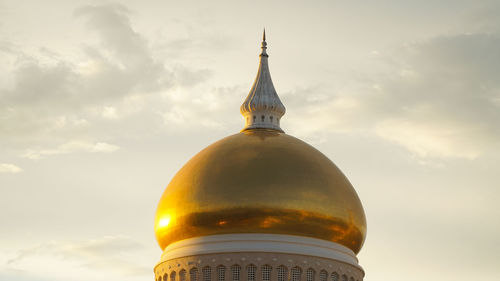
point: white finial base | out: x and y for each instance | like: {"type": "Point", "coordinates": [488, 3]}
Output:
{"type": "Point", "coordinates": [262, 109]}
{"type": "Point", "coordinates": [262, 120]}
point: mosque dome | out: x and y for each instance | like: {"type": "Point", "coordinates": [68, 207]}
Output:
{"type": "Point", "coordinates": [261, 180]}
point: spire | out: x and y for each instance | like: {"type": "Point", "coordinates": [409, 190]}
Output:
{"type": "Point", "coordinates": [264, 44]}
{"type": "Point", "coordinates": [263, 108]}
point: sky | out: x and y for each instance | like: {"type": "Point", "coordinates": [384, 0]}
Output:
{"type": "Point", "coordinates": [102, 102]}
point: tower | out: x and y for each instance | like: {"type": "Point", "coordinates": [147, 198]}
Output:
{"type": "Point", "coordinates": [260, 205]}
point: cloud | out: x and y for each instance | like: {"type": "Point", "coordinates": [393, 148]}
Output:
{"type": "Point", "coordinates": [443, 102]}
{"type": "Point", "coordinates": [9, 168]}
{"type": "Point", "coordinates": [109, 112]}
{"type": "Point", "coordinates": [48, 98]}
{"type": "Point", "coordinates": [71, 147]}
{"type": "Point", "coordinates": [438, 98]}
{"type": "Point", "coordinates": [107, 255]}
{"type": "Point", "coordinates": [122, 63]}
{"type": "Point", "coordinates": [198, 108]}
{"type": "Point", "coordinates": [426, 139]}
{"type": "Point", "coordinates": [484, 18]}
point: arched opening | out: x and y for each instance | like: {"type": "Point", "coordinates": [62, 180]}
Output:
{"type": "Point", "coordinates": [235, 272]}
{"type": "Point", "coordinates": [206, 273]}
{"type": "Point", "coordinates": [296, 273]}
{"type": "Point", "coordinates": [282, 273]}
{"type": "Point", "coordinates": [323, 275]}
{"type": "Point", "coordinates": [251, 269]}
{"type": "Point", "coordinates": [182, 275]}
{"type": "Point", "coordinates": [193, 274]}
{"type": "Point", "coordinates": [266, 272]}
{"type": "Point", "coordinates": [221, 273]}
{"type": "Point", "coordinates": [310, 274]}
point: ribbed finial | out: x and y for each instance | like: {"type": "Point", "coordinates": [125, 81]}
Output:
{"type": "Point", "coordinates": [263, 108]}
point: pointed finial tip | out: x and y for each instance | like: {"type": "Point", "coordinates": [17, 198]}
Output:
{"type": "Point", "coordinates": [264, 44]}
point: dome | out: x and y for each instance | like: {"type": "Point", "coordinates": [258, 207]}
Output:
{"type": "Point", "coordinates": [261, 181]}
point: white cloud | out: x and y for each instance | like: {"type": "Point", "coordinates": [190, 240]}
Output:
{"type": "Point", "coordinates": [445, 108]}
{"type": "Point", "coordinates": [109, 112]}
{"type": "Point", "coordinates": [445, 89]}
{"type": "Point", "coordinates": [198, 108]}
{"type": "Point", "coordinates": [437, 99]}
{"type": "Point", "coordinates": [71, 147]}
{"type": "Point", "coordinates": [93, 259]}
{"type": "Point", "coordinates": [426, 139]}
{"type": "Point", "coordinates": [9, 168]}
{"type": "Point", "coordinates": [49, 98]}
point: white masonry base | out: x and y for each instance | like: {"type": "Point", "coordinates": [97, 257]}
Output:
{"type": "Point", "coordinates": [257, 257]}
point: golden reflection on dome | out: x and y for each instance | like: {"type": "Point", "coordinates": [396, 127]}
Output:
{"type": "Point", "coordinates": [261, 181]}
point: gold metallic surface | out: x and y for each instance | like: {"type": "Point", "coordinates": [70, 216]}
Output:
{"type": "Point", "coordinates": [261, 181]}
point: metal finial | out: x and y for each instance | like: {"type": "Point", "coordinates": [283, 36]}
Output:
{"type": "Point", "coordinates": [264, 44]}
{"type": "Point", "coordinates": [263, 109]}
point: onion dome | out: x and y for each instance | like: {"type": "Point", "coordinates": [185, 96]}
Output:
{"type": "Point", "coordinates": [262, 108]}
{"type": "Point", "coordinates": [261, 180]}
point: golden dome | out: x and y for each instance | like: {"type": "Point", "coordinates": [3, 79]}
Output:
{"type": "Point", "coordinates": [261, 181]}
